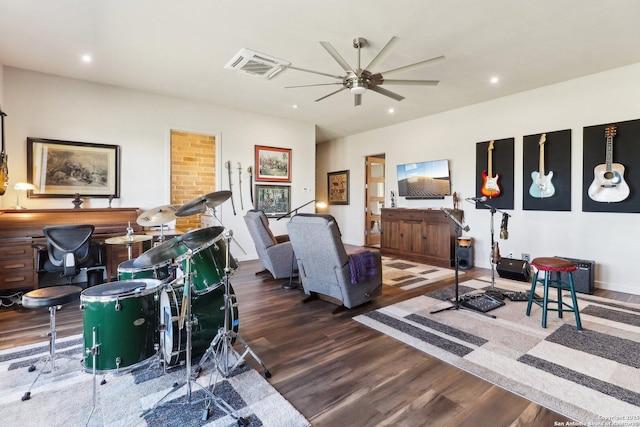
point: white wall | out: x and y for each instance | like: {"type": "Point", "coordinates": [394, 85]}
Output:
{"type": "Point", "coordinates": [47, 106]}
{"type": "Point", "coordinates": [607, 238]}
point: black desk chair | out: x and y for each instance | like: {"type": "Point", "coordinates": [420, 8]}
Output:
{"type": "Point", "coordinates": [69, 251]}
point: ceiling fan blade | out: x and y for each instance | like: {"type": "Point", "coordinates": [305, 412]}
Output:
{"type": "Point", "coordinates": [414, 66]}
{"type": "Point", "coordinates": [318, 84]}
{"type": "Point", "coordinates": [332, 93]}
{"type": "Point", "coordinates": [382, 55]}
{"type": "Point", "coordinates": [357, 99]}
{"type": "Point", "coordinates": [335, 55]}
{"type": "Point", "coordinates": [316, 72]}
{"type": "Point", "coordinates": [411, 82]}
{"type": "Point", "coordinates": [388, 93]}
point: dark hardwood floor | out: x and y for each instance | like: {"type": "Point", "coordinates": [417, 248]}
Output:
{"type": "Point", "coordinates": [332, 369]}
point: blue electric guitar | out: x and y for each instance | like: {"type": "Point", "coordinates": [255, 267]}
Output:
{"type": "Point", "coordinates": [608, 183]}
{"type": "Point", "coordinates": [541, 186]}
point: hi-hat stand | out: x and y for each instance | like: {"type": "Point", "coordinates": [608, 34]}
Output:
{"type": "Point", "coordinates": [187, 322]}
{"type": "Point", "coordinates": [221, 348]}
{"type": "Point", "coordinates": [457, 303]}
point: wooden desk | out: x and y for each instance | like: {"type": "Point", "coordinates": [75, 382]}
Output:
{"type": "Point", "coordinates": [20, 229]}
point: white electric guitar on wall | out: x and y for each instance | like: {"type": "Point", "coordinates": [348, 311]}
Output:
{"type": "Point", "coordinates": [608, 183]}
{"type": "Point", "coordinates": [541, 186]}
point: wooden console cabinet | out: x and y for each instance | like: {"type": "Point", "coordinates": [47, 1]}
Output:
{"type": "Point", "coordinates": [421, 235]}
{"type": "Point", "coordinates": [20, 229]}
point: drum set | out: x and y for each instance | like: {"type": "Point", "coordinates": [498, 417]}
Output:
{"type": "Point", "coordinates": [170, 304]}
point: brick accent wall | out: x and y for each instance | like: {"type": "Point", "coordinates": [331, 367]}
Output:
{"type": "Point", "coordinates": [193, 171]}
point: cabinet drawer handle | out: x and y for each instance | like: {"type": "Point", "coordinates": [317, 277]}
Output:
{"type": "Point", "coordinates": [14, 266]}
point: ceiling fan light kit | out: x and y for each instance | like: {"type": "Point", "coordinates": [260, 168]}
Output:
{"type": "Point", "coordinates": [359, 80]}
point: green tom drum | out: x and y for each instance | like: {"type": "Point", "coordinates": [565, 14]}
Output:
{"type": "Point", "coordinates": [124, 318]}
{"type": "Point", "coordinates": [208, 264]}
{"type": "Point", "coordinates": [207, 319]}
{"type": "Point", "coordinates": [160, 271]}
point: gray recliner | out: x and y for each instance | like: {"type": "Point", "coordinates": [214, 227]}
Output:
{"type": "Point", "coordinates": [324, 265]}
{"type": "Point", "coordinates": [275, 252]}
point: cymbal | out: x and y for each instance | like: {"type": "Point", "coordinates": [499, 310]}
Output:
{"type": "Point", "coordinates": [200, 204]}
{"type": "Point", "coordinates": [133, 238]}
{"type": "Point", "coordinates": [158, 216]}
{"type": "Point", "coordinates": [177, 246]}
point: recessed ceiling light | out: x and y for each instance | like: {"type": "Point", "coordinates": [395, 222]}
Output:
{"type": "Point", "coordinates": [86, 58]}
{"type": "Point", "coordinates": [391, 110]}
{"type": "Point", "coordinates": [294, 106]}
{"type": "Point", "coordinates": [494, 80]}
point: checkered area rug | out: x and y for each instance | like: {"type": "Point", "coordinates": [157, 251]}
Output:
{"type": "Point", "coordinates": [146, 396]}
{"type": "Point", "coordinates": [408, 275]}
{"type": "Point", "coordinates": [591, 376]}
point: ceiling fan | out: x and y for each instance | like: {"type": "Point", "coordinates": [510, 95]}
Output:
{"type": "Point", "coordinates": [359, 80]}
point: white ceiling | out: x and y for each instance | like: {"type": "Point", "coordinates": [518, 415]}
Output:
{"type": "Point", "coordinates": [179, 48]}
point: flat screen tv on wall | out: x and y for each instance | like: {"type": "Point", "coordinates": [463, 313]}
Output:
{"type": "Point", "coordinates": [424, 180]}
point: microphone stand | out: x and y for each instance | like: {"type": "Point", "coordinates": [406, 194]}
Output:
{"type": "Point", "coordinates": [456, 302]}
{"type": "Point", "coordinates": [493, 259]}
{"type": "Point", "coordinates": [294, 211]}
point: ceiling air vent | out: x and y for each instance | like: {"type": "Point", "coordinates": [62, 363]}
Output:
{"type": "Point", "coordinates": [256, 64]}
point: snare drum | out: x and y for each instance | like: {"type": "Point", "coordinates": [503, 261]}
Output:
{"type": "Point", "coordinates": [207, 265]}
{"type": "Point", "coordinates": [207, 319]}
{"type": "Point", "coordinates": [125, 317]}
{"type": "Point", "coordinates": [160, 271]}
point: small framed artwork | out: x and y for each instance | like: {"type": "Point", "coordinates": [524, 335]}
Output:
{"type": "Point", "coordinates": [274, 200]}
{"type": "Point", "coordinates": [338, 187]}
{"type": "Point", "coordinates": [68, 168]}
{"type": "Point", "coordinates": [273, 164]}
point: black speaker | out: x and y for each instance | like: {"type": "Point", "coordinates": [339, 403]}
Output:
{"type": "Point", "coordinates": [583, 277]}
{"type": "Point", "coordinates": [515, 269]}
{"type": "Point", "coordinates": [465, 257]}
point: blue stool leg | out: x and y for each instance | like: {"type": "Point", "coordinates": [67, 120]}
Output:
{"type": "Point", "coordinates": [534, 282]}
{"type": "Point", "coordinates": [575, 302]}
{"type": "Point", "coordinates": [545, 300]}
{"type": "Point", "coordinates": [558, 282]}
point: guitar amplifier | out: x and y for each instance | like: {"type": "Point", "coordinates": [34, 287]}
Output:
{"type": "Point", "coordinates": [516, 269]}
{"type": "Point", "coordinates": [583, 277]}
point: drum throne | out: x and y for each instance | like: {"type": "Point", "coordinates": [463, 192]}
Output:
{"type": "Point", "coordinates": [69, 251]}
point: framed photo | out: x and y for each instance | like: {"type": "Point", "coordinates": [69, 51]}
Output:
{"type": "Point", "coordinates": [67, 168]}
{"type": "Point", "coordinates": [274, 200]}
{"type": "Point", "coordinates": [273, 164]}
{"type": "Point", "coordinates": [338, 187]}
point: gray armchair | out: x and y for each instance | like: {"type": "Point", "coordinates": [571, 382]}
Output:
{"type": "Point", "coordinates": [275, 252]}
{"type": "Point", "coordinates": [324, 265]}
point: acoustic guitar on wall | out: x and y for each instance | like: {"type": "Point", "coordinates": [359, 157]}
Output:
{"type": "Point", "coordinates": [490, 186]}
{"type": "Point", "coordinates": [541, 185]}
{"type": "Point", "coordinates": [608, 183]}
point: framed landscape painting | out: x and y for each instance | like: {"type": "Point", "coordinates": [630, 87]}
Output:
{"type": "Point", "coordinates": [68, 168]}
{"type": "Point", "coordinates": [273, 164]}
{"type": "Point", "coordinates": [274, 200]}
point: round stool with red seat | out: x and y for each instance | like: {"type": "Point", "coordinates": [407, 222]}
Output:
{"type": "Point", "coordinates": [552, 267]}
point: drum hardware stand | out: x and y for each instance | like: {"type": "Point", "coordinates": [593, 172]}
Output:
{"type": "Point", "coordinates": [222, 345]}
{"type": "Point", "coordinates": [210, 397]}
{"type": "Point", "coordinates": [240, 185]}
{"type": "Point", "coordinates": [212, 211]}
{"type": "Point", "coordinates": [456, 302]}
{"type": "Point", "coordinates": [227, 165]}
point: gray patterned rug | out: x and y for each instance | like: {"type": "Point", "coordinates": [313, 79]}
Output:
{"type": "Point", "coordinates": [591, 376]}
{"type": "Point", "coordinates": [410, 275]}
{"type": "Point", "coordinates": [65, 398]}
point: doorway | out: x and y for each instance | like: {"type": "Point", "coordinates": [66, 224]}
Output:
{"type": "Point", "coordinates": [374, 198]}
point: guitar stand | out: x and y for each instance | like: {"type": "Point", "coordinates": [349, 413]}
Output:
{"type": "Point", "coordinates": [456, 302]}
{"type": "Point", "coordinates": [210, 397]}
{"type": "Point", "coordinates": [221, 348]}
